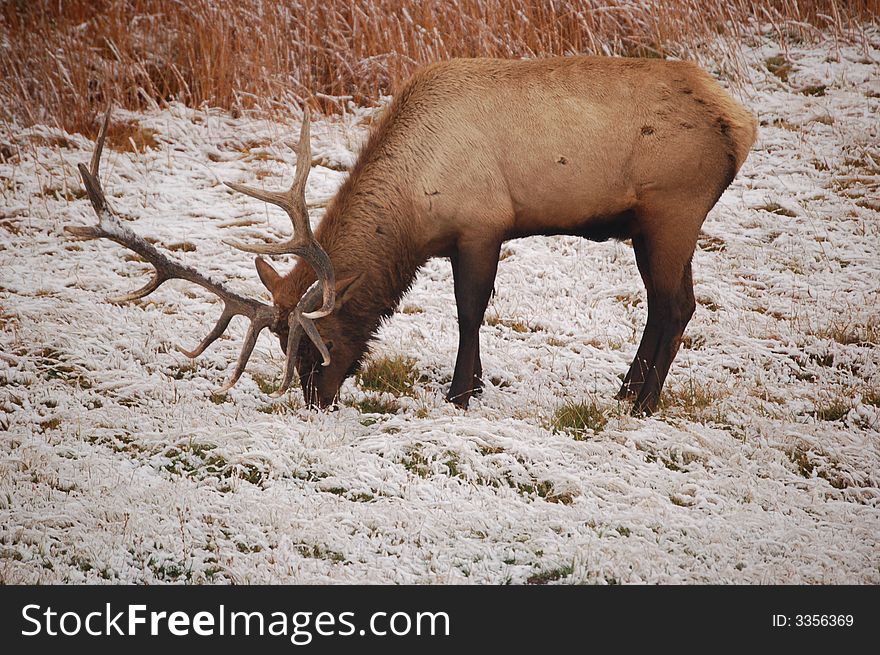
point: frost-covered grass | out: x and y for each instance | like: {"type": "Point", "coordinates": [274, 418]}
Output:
{"type": "Point", "coordinates": [119, 463]}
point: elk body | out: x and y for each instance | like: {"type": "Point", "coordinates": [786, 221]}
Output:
{"type": "Point", "coordinates": [474, 152]}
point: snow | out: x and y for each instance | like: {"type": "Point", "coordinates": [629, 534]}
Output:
{"type": "Point", "coordinates": [117, 463]}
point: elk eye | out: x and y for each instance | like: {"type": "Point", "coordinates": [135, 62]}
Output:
{"type": "Point", "coordinates": [329, 345]}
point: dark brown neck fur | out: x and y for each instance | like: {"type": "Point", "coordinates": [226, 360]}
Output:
{"type": "Point", "coordinates": [367, 231]}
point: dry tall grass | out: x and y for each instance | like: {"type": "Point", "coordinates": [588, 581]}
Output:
{"type": "Point", "coordinates": [60, 61]}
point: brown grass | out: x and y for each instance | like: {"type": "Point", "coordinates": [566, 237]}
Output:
{"type": "Point", "coordinates": [62, 62]}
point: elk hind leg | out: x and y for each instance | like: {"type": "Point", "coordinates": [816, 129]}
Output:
{"type": "Point", "coordinates": [674, 308]}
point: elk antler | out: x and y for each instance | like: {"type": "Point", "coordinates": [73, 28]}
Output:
{"type": "Point", "coordinates": [302, 242]}
{"type": "Point", "coordinates": [109, 227]}
{"type": "Point", "coordinates": [299, 323]}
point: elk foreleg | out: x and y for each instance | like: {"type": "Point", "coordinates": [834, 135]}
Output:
{"type": "Point", "coordinates": [473, 269]}
{"type": "Point", "coordinates": [478, 371]}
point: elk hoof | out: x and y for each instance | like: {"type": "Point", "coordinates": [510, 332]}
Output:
{"type": "Point", "coordinates": [460, 400]}
{"type": "Point", "coordinates": [627, 392]}
{"type": "Point", "coordinates": [478, 386]}
{"type": "Point", "coordinates": [645, 407]}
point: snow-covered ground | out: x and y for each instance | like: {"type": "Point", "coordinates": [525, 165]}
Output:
{"type": "Point", "coordinates": [117, 463]}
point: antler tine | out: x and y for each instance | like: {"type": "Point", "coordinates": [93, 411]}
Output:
{"type": "Point", "coordinates": [109, 227]}
{"type": "Point", "coordinates": [95, 164]}
{"type": "Point", "coordinates": [92, 182]}
{"type": "Point", "coordinates": [143, 292]}
{"type": "Point", "coordinates": [303, 161]}
{"type": "Point", "coordinates": [257, 325]}
{"type": "Point", "coordinates": [293, 201]}
{"type": "Point", "coordinates": [299, 323]}
{"type": "Point", "coordinates": [212, 336]}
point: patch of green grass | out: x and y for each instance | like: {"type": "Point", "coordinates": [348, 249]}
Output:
{"type": "Point", "coordinates": [395, 375]}
{"type": "Point", "coordinates": [320, 552]}
{"type": "Point", "coordinates": [578, 419]}
{"type": "Point", "coordinates": [373, 404]}
{"type": "Point", "coordinates": [552, 575]}
{"type": "Point", "coordinates": [198, 461]}
{"type": "Point", "coordinates": [265, 385]}
{"type": "Point", "coordinates": [834, 409]}
{"type": "Point", "coordinates": [359, 497]}
{"type": "Point", "coordinates": [190, 457]}
{"type": "Point", "coordinates": [118, 443]}
{"type": "Point", "coordinates": [453, 465]}
{"type": "Point", "coordinates": [692, 401]}
{"type": "Point", "coordinates": [671, 460]}
{"type": "Point", "coordinates": [544, 489]}
{"type": "Point", "coordinates": [811, 464]}
{"type": "Point", "coordinates": [170, 570]}
{"type": "Point", "coordinates": [54, 366]}
{"type": "Point", "coordinates": [415, 462]}
{"type": "Point", "coordinates": [183, 371]}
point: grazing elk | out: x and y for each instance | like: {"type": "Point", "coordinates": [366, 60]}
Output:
{"type": "Point", "coordinates": [470, 153]}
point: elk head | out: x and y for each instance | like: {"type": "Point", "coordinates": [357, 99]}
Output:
{"type": "Point", "coordinates": [290, 323]}
{"type": "Point", "coordinates": [343, 335]}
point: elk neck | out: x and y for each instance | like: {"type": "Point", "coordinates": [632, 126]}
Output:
{"type": "Point", "coordinates": [368, 233]}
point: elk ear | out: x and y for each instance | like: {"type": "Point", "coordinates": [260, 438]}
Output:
{"type": "Point", "coordinates": [268, 275]}
{"type": "Point", "coordinates": [346, 287]}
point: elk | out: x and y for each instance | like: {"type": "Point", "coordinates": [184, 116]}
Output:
{"type": "Point", "coordinates": [469, 154]}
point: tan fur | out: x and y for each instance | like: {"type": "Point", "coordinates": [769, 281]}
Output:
{"type": "Point", "coordinates": [473, 152]}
